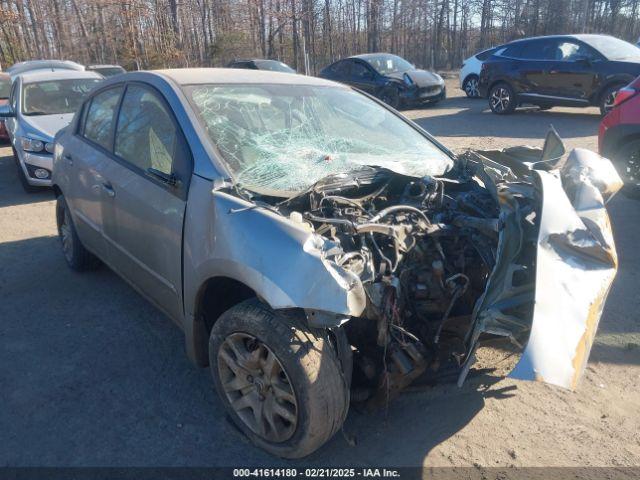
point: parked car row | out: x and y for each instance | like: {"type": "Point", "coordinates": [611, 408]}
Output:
{"type": "Point", "coordinates": [37, 99]}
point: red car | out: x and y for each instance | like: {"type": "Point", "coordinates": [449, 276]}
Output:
{"type": "Point", "coordinates": [5, 88]}
{"type": "Point", "coordinates": [619, 136]}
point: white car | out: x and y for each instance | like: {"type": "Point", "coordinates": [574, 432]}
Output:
{"type": "Point", "coordinates": [470, 72]}
{"type": "Point", "coordinates": [42, 102]}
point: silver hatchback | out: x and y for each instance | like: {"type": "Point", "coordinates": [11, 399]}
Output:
{"type": "Point", "coordinates": [42, 102]}
{"type": "Point", "coordinates": [317, 248]}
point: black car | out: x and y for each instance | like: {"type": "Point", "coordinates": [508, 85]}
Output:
{"type": "Point", "coordinates": [390, 78]}
{"type": "Point", "coordinates": [262, 64]}
{"type": "Point", "coordinates": [559, 70]}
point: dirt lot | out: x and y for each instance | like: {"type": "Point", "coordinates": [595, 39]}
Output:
{"type": "Point", "coordinates": [92, 375]}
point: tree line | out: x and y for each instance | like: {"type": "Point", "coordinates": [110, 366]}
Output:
{"type": "Point", "coordinates": [306, 34]}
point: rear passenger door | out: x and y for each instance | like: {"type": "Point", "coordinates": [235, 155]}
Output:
{"type": "Point", "coordinates": [147, 182]}
{"type": "Point", "coordinates": [82, 162]}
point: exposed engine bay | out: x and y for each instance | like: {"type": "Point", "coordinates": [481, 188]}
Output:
{"type": "Point", "coordinates": [424, 250]}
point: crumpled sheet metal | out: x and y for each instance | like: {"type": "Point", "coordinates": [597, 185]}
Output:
{"type": "Point", "coordinates": [576, 265]}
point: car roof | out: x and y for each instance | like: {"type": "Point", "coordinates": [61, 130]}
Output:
{"type": "Point", "coordinates": [16, 68]}
{"type": "Point", "coordinates": [199, 76]}
{"type": "Point", "coordinates": [105, 66]}
{"type": "Point", "coordinates": [578, 36]}
{"type": "Point", "coordinates": [365, 56]}
{"type": "Point", "coordinates": [56, 74]}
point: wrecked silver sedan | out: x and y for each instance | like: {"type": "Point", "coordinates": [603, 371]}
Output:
{"type": "Point", "coordinates": [318, 249]}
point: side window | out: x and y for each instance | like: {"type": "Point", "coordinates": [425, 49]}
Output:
{"type": "Point", "coordinates": [146, 135]}
{"type": "Point", "coordinates": [571, 51]}
{"type": "Point", "coordinates": [511, 51]}
{"type": "Point", "coordinates": [98, 123]}
{"type": "Point", "coordinates": [543, 49]}
{"type": "Point", "coordinates": [360, 71]}
{"type": "Point", "coordinates": [341, 68]}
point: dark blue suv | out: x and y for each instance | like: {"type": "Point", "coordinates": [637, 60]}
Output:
{"type": "Point", "coordinates": [561, 70]}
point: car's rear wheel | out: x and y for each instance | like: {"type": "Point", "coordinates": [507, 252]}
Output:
{"type": "Point", "coordinates": [76, 255]}
{"type": "Point", "coordinates": [470, 86]}
{"type": "Point", "coordinates": [627, 162]}
{"type": "Point", "coordinates": [502, 99]}
{"type": "Point", "coordinates": [280, 381]}
{"type": "Point", "coordinates": [26, 186]}
{"type": "Point", "coordinates": [608, 98]}
{"type": "Point", "coordinates": [391, 96]}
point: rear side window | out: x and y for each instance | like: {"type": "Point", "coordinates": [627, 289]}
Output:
{"type": "Point", "coordinates": [146, 136]}
{"type": "Point", "coordinates": [98, 124]}
{"type": "Point", "coordinates": [482, 56]}
{"type": "Point", "coordinates": [512, 51]}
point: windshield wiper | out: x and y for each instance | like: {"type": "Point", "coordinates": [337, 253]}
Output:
{"type": "Point", "coordinates": [36, 113]}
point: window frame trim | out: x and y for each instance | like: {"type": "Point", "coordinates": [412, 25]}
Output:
{"type": "Point", "coordinates": [179, 191]}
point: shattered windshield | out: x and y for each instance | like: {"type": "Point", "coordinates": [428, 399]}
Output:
{"type": "Point", "coordinates": [287, 137]}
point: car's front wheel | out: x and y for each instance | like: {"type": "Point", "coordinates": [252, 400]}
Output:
{"type": "Point", "coordinates": [502, 99]}
{"type": "Point", "coordinates": [281, 382]}
{"type": "Point", "coordinates": [627, 162]}
{"type": "Point", "coordinates": [470, 86]}
{"type": "Point", "coordinates": [75, 253]}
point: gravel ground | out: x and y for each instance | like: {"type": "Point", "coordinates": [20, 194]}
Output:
{"type": "Point", "coordinates": [92, 375]}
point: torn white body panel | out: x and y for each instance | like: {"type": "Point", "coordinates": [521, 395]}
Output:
{"type": "Point", "coordinates": [576, 265]}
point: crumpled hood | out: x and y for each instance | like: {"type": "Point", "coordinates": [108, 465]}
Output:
{"type": "Point", "coordinates": [422, 78]}
{"type": "Point", "coordinates": [46, 126]}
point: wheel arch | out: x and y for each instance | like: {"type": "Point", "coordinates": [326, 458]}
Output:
{"type": "Point", "coordinates": [617, 137]}
{"type": "Point", "coordinates": [470, 75]}
{"type": "Point", "coordinates": [215, 296]}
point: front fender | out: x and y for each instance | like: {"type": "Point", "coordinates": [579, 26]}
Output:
{"type": "Point", "coordinates": [285, 263]}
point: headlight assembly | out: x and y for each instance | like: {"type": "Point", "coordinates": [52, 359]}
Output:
{"type": "Point", "coordinates": [31, 145]}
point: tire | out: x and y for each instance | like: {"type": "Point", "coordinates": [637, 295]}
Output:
{"type": "Point", "coordinates": [26, 186]}
{"type": "Point", "coordinates": [502, 99]}
{"type": "Point", "coordinates": [607, 97]}
{"type": "Point", "coordinates": [76, 255]}
{"type": "Point", "coordinates": [311, 399]}
{"type": "Point", "coordinates": [470, 86]}
{"type": "Point", "coordinates": [627, 163]}
{"type": "Point", "coordinates": [391, 96]}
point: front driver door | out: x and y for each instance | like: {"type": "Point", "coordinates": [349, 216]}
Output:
{"type": "Point", "coordinates": [572, 75]}
{"type": "Point", "coordinates": [363, 77]}
{"type": "Point", "coordinates": [147, 181]}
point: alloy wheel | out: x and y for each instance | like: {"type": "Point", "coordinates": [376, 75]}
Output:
{"type": "Point", "coordinates": [66, 236]}
{"type": "Point", "coordinates": [257, 387]}
{"type": "Point", "coordinates": [500, 99]}
{"type": "Point", "coordinates": [471, 88]}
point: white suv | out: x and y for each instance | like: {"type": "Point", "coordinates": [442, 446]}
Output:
{"type": "Point", "coordinates": [470, 72]}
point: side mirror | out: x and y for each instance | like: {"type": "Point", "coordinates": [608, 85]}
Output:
{"type": "Point", "coordinates": [6, 111]}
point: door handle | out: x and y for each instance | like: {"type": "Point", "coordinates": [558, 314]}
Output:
{"type": "Point", "coordinates": [68, 158]}
{"type": "Point", "coordinates": [108, 189]}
